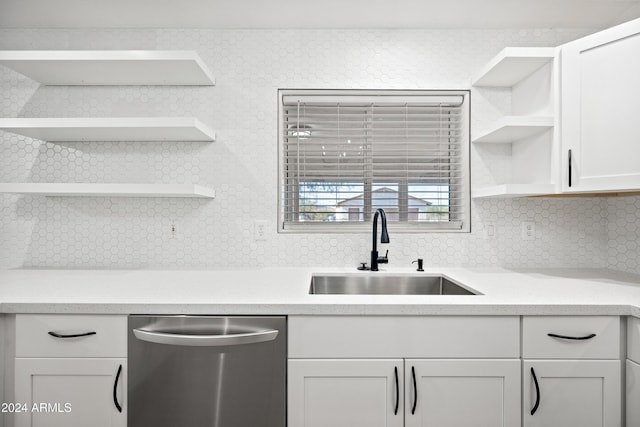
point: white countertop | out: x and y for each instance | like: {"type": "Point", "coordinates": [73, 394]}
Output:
{"type": "Point", "coordinates": [285, 291]}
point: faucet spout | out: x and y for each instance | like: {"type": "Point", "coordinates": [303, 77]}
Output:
{"type": "Point", "coordinates": [384, 238]}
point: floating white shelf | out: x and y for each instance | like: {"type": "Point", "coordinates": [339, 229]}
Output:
{"type": "Point", "coordinates": [513, 190]}
{"type": "Point", "coordinates": [110, 129]}
{"type": "Point", "coordinates": [109, 190]}
{"type": "Point", "coordinates": [109, 67]}
{"type": "Point", "coordinates": [512, 65]}
{"type": "Point", "coordinates": [513, 128]}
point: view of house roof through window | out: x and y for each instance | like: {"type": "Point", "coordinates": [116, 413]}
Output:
{"type": "Point", "coordinates": [344, 154]}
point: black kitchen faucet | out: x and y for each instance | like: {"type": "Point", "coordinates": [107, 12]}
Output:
{"type": "Point", "coordinates": [384, 238]}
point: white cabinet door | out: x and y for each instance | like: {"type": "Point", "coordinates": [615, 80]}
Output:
{"type": "Point", "coordinates": [71, 392]}
{"type": "Point", "coordinates": [583, 393]}
{"type": "Point", "coordinates": [345, 393]}
{"type": "Point", "coordinates": [600, 105]}
{"type": "Point", "coordinates": [456, 393]}
{"type": "Point", "coordinates": [633, 394]}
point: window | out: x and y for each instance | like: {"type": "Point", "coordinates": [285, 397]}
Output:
{"type": "Point", "coordinates": [343, 154]}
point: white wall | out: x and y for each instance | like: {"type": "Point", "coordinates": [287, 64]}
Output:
{"type": "Point", "coordinates": [250, 66]}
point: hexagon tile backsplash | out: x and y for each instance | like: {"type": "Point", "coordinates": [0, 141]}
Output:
{"type": "Point", "coordinates": [250, 65]}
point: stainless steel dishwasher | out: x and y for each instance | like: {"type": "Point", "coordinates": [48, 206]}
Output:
{"type": "Point", "coordinates": [197, 371]}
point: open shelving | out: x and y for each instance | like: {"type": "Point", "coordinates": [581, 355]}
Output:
{"type": "Point", "coordinates": [108, 190]}
{"type": "Point", "coordinates": [512, 65]}
{"type": "Point", "coordinates": [513, 190]}
{"type": "Point", "coordinates": [532, 75]}
{"type": "Point", "coordinates": [513, 128]}
{"type": "Point", "coordinates": [113, 68]}
{"type": "Point", "coordinates": [110, 129]}
{"type": "Point", "coordinates": [109, 67]}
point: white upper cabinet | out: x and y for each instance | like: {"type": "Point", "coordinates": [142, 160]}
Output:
{"type": "Point", "coordinates": [601, 110]}
{"type": "Point", "coordinates": [574, 122]}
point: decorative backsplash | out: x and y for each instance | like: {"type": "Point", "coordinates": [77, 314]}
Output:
{"type": "Point", "coordinates": [624, 233]}
{"type": "Point", "coordinates": [250, 65]}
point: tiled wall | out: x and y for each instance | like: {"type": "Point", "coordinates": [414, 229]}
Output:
{"type": "Point", "coordinates": [242, 164]}
{"type": "Point", "coordinates": [624, 233]}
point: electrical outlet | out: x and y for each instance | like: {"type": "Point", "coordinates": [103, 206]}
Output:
{"type": "Point", "coordinates": [528, 230]}
{"type": "Point", "coordinates": [489, 230]}
{"type": "Point", "coordinates": [259, 230]}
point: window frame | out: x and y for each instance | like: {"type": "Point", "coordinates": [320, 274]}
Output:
{"type": "Point", "coordinates": [365, 226]}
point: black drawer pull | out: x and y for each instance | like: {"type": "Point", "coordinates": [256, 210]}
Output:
{"type": "Point", "coordinates": [535, 382]}
{"type": "Point", "coordinates": [415, 390]}
{"type": "Point", "coordinates": [115, 389]}
{"type": "Point", "coordinates": [57, 335]}
{"type": "Point", "coordinates": [395, 371]}
{"type": "Point", "coordinates": [564, 337]}
{"type": "Point", "coordinates": [570, 168]}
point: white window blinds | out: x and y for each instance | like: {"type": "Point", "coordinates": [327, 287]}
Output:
{"type": "Point", "coordinates": [343, 155]}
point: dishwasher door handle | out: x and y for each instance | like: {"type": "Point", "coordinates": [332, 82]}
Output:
{"type": "Point", "coordinates": [205, 340]}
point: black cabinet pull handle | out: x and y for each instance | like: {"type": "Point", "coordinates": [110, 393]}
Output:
{"type": "Point", "coordinates": [395, 411]}
{"type": "Point", "coordinates": [535, 382]}
{"type": "Point", "coordinates": [415, 390]}
{"type": "Point", "coordinates": [57, 335]}
{"type": "Point", "coordinates": [564, 337]}
{"type": "Point", "coordinates": [569, 168]}
{"type": "Point", "coordinates": [115, 388]}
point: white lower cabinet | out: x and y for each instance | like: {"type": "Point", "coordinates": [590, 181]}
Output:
{"type": "Point", "coordinates": [633, 394]}
{"type": "Point", "coordinates": [454, 393]}
{"type": "Point", "coordinates": [71, 392]}
{"type": "Point", "coordinates": [383, 393]}
{"type": "Point", "coordinates": [70, 371]}
{"type": "Point", "coordinates": [345, 393]}
{"type": "Point", "coordinates": [560, 393]}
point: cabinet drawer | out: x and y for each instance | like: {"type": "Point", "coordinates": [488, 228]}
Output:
{"type": "Point", "coordinates": [633, 336]}
{"type": "Point", "coordinates": [404, 336]}
{"type": "Point", "coordinates": [576, 337]}
{"type": "Point", "coordinates": [33, 338]}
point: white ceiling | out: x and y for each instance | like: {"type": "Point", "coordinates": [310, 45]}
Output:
{"type": "Point", "coordinates": [583, 14]}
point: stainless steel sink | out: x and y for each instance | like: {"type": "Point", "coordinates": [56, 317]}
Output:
{"type": "Point", "coordinates": [386, 284]}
